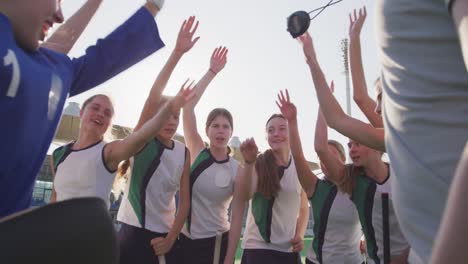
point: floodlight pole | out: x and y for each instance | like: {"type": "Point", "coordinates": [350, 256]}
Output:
{"type": "Point", "coordinates": [344, 50]}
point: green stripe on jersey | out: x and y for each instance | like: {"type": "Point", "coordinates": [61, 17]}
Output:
{"type": "Point", "coordinates": [321, 209]}
{"type": "Point", "coordinates": [260, 213]}
{"type": "Point", "coordinates": [204, 155]}
{"type": "Point", "coordinates": [59, 154]}
{"type": "Point", "coordinates": [141, 164]}
{"type": "Point", "coordinates": [363, 199]}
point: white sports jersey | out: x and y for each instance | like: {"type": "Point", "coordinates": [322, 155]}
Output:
{"type": "Point", "coordinates": [337, 232]}
{"type": "Point", "coordinates": [271, 224]}
{"type": "Point", "coordinates": [82, 173]}
{"type": "Point", "coordinates": [212, 185]}
{"type": "Point", "coordinates": [149, 198]}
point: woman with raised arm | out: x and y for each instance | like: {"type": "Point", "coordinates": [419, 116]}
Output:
{"type": "Point", "coordinates": [334, 115]}
{"type": "Point", "coordinates": [204, 237]}
{"type": "Point", "coordinates": [278, 212]}
{"type": "Point", "coordinates": [337, 233]}
{"type": "Point", "coordinates": [364, 181]}
{"type": "Point", "coordinates": [360, 95]}
{"type": "Point", "coordinates": [150, 221]}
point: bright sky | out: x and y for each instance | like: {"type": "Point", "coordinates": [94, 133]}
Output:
{"type": "Point", "coordinates": [262, 59]}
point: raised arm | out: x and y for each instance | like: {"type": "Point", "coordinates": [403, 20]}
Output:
{"type": "Point", "coordinates": [360, 95]}
{"type": "Point", "coordinates": [163, 245]}
{"type": "Point", "coordinates": [333, 113]}
{"type": "Point", "coordinates": [68, 33]}
{"type": "Point", "coordinates": [242, 194]}
{"type": "Point", "coordinates": [185, 42]}
{"type": "Point", "coordinates": [460, 17]}
{"type": "Point", "coordinates": [335, 169]}
{"type": "Point", "coordinates": [307, 178]}
{"type": "Point", "coordinates": [119, 150]}
{"type": "Point", "coordinates": [193, 139]}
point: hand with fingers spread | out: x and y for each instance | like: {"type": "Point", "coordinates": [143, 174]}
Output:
{"type": "Point", "coordinates": [356, 22]}
{"type": "Point", "coordinates": [307, 47]}
{"type": "Point", "coordinates": [185, 94]}
{"type": "Point", "coordinates": [249, 151]}
{"type": "Point", "coordinates": [161, 245]}
{"type": "Point", "coordinates": [218, 59]}
{"type": "Point", "coordinates": [288, 109]}
{"type": "Point", "coordinates": [185, 39]}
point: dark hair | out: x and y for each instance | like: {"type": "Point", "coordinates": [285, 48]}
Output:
{"type": "Point", "coordinates": [267, 171]}
{"type": "Point", "coordinates": [338, 147]}
{"type": "Point", "coordinates": [122, 169]}
{"type": "Point", "coordinates": [274, 116]}
{"type": "Point", "coordinates": [90, 99]}
{"type": "Point", "coordinates": [219, 112]}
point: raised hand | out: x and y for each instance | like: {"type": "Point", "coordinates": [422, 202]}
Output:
{"type": "Point", "coordinates": [185, 40]}
{"type": "Point", "coordinates": [249, 150]}
{"type": "Point", "coordinates": [218, 59]}
{"type": "Point", "coordinates": [356, 22]}
{"type": "Point", "coordinates": [288, 109]}
{"type": "Point", "coordinates": [307, 46]}
{"type": "Point", "coordinates": [185, 94]}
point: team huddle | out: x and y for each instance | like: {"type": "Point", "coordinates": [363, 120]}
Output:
{"type": "Point", "coordinates": [352, 221]}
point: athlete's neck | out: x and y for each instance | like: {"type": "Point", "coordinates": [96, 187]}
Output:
{"type": "Point", "coordinates": [282, 157]}
{"type": "Point", "coordinates": [377, 170]}
{"type": "Point", "coordinates": [86, 139]}
{"type": "Point", "coordinates": [219, 153]}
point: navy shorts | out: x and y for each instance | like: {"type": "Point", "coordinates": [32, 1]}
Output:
{"type": "Point", "coordinates": [135, 246]}
{"type": "Point", "coordinates": [201, 251]}
{"type": "Point", "coordinates": [253, 256]}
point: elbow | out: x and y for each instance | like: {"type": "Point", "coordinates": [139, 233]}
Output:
{"type": "Point", "coordinates": [320, 149]}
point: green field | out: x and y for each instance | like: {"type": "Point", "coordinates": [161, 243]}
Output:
{"type": "Point", "coordinates": [307, 242]}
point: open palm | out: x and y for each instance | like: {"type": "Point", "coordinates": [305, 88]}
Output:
{"type": "Point", "coordinates": [218, 59]}
{"type": "Point", "coordinates": [185, 40]}
{"type": "Point", "coordinates": [288, 109]}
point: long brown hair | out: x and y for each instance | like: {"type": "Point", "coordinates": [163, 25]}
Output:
{"type": "Point", "coordinates": [267, 170]}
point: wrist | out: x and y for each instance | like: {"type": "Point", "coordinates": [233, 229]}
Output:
{"type": "Point", "coordinates": [249, 162]}
{"type": "Point", "coordinates": [212, 71]}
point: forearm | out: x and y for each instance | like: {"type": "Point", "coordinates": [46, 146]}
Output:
{"type": "Point", "coordinates": [303, 219]}
{"type": "Point", "coordinates": [306, 177]}
{"type": "Point", "coordinates": [179, 221]}
{"type": "Point", "coordinates": [460, 17]}
{"type": "Point", "coordinates": [200, 88]}
{"type": "Point", "coordinates": [237, 213]}
{"type": "Point", "coordinates": [111, 55]}
{"type": "Point", "coordinates": [67, 34]}
{"type": "Point", "coordinates": [154, 97]}
{"type": "Point", "coordinates": [331, 110]}
{"type": "Point", "coordinates": [357, 71]}
{"type": "Point", "coordinates": [321, 134]}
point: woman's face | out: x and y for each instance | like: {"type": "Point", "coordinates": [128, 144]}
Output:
{"type": "Point", "coordinates": [97, 115]}
{"type": "Point", "coordinates": [277, 133]}
{"type": "Point", "coordinates": [219, 132]}
{"type": "Point", "coordinates": [170, 127]}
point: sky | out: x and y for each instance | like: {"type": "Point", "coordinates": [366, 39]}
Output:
{"type": "Point", "coordinates": [262, 59]}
